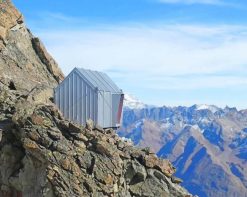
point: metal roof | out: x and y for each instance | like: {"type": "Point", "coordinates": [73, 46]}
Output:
{"type": "Point", "coordinates": [100, 80]}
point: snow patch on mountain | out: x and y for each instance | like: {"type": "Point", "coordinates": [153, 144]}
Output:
{"type": "Point", "coordinates": [211, 108]}
{"type": "Point", "coordinates": [132, 102]}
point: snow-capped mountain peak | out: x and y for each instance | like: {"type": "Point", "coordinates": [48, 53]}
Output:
{"type": "Point", "coordinates": [132, 102]}
{"type": "Point", "coordinates": [212, 108]}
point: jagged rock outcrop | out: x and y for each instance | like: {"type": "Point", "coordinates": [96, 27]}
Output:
{"type": "Point", "coordinates": [44, 155]}
{"type": "Point", "coordinates": [24, 61]}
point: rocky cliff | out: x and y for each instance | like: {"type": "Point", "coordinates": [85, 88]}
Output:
{"type": "Point", "coordinates": [24, 61]}
{"type": "Point", "coordinates": [207, 144]}
{"type": "Point", "coordinates": [44, 155]}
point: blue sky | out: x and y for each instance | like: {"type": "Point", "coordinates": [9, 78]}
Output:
{"type": "Point", "coordinates": [165, 52]}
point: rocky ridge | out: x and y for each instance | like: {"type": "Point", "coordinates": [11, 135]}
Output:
{"type": "Point", "coordinates": [44, 155]}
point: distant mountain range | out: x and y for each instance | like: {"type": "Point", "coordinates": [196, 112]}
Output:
{"type": "Point", "coordinates": [207, 144]}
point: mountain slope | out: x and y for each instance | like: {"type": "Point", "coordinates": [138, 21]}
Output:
{"type": "Point", "coordinates": [206, 144]}
{"type": "Point", "coordinates": [44, 155]}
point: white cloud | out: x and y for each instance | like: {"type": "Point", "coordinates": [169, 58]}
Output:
{"type": "Point", "coordinates": [170, 57]}
{"type": "Point", "coordinates": [162, 50]}
{"type": "Point", "coordinates": [191, 83]}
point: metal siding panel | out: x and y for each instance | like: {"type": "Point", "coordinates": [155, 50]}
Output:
{"type": "Point", "coordinates": [100, 80]}
{"type": "Point", "coordinates": [82, 100]}
{"type": "Point", "coordinates": [110, 109]}
{"type": "Point", "coordinates": [100, 84]}
{"type": "Point", "coordinates": [110, 81]}
{"type": "Point", "coordinates": [92, 78]}
{"type": "Point", "coordinates": [107, 109]}
{"type": "Point", "coordinates": [107, 84]}
{"type": "Point", "coordinates": [92, 105]}
{"type": "Point", "coordinates": [115, 106]}
{"type": "Point", "coordinates": [64, 101]}
{"type": "Point", "coordinates": [88, 103]}
{"type": "Point", "coordinates": [104, 109]}
{"type": "Point", "coordinates": [70, 107]}
{"type": "Point", "coordinates": [62, 95]}
{"type": "Point", "coordinates": [80, 87]}
{"type": "Point", "coordinates": [100, 109]}
{"type": "Point", "coordinates": [68, 99]}
{"type": "Point", "coordinates": [79, 99]}
{"type": "Point", "coordinates": [76, 99]}
{"type": "Point", "coordinates": [89, 77]}
{"type": "Point", "coordinates": [95, 107]}
{"type": "Point", "coordinates": [71, 104]}
{"type": "Point", "coordinates": [65, 98]}
{"type": "Point", "coordinates": [84, 108]}
{"type": "Point", "coordinates": [120, 110]}
{"type": "Point", "coordinates": [73, 99]}
{"type": "Point", "coordinates": [84, 78]}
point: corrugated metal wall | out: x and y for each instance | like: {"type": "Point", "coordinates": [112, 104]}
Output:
{"type": "Point", "coordinates": [76, 99]}
{"type": "Point", "coordinates": [105, 109]}
{"type": "Point", "coordinates": [79, 100]}
{"type": "Point", "coordinates": [115, 107]}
